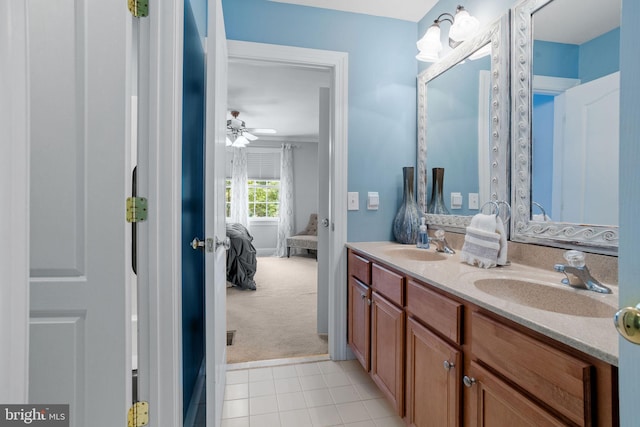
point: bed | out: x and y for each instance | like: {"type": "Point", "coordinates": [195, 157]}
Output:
{"type": "Point", "coordinates": [241, 257]}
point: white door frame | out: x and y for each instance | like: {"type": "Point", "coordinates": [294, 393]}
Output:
{"type": "Point", "coordinates": [337, 64]}
{"type": "Point", "coordinates": [14, 209]}
{"type": "Point", "coordinates": [159, 238]}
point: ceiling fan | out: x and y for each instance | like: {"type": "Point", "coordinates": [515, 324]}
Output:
{"type": "Point", "coordinates": [238, 134]}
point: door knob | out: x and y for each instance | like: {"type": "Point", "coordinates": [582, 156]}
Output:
{"type": "Point", "coordinates": [197, 243]}
{"type": "Point", "coordinates": [225, 243]}
{"type": "Point", "coordinates": [627, 321]}
{"type": "Point", "coordinates": [325, 222]}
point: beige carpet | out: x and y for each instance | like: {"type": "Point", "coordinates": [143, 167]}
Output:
{"type": "Point", "coordinates": [278, 319]}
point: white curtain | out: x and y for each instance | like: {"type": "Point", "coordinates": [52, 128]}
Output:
{"type": "Point", "coordinates": [285, 222]}
{"type": "Point", "coordinates": [239, 195]}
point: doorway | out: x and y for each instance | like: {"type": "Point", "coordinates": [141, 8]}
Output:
{"type": "Point", "coordinates": [333, 264]}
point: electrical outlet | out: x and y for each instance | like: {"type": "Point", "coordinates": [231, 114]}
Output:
{"type": "Point", "coordinates": [352, 201]}
{"type": "Point", "coordinates": [473, 201]}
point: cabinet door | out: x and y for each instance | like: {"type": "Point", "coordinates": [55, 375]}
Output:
{"type": "Point", "coordinates": [358, 331]}
{"type": "Point", "coordinates": [387, 350]}
{"type": "Point", "coordinates": [493, 403]}
{"type": "Point", "coordinates": [433, 386]}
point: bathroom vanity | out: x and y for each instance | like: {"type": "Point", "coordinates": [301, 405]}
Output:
{"type": "Point", "coordinates": [450, 344]}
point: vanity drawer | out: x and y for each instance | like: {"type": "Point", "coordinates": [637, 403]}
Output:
{"type": "Point", "coordinates": [560, 380]}
{"type": "Point", "coordinates": [439, 312]}
{"type": "Point", "coordinates": [388, 283]}
{"type": "Point", "coordinates": [359, 268]}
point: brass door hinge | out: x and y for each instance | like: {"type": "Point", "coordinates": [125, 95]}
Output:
{"type": "Point", "coordinates": [138, 415]}
{"type": "Point", "coordinates": [136, 209]}
{"type": "Point", "coordinates": [139, 8]}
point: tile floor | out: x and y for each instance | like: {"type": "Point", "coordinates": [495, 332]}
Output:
{"type": "Point", "coordinates": [323, 393]}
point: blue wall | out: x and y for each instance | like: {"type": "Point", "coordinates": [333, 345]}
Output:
{"type": "Point", "coordinates": [382, 92]}
{"type": "Point", "coordinates": [542, 152]}
{"type": "Point", "coordinates": [452, 130]}
{"type": "Point", "coordinates": [600, 56]}
{"type": "Point", "coordinates": [193, 104]}
{"type": "Point", "coordinates": [591, 60]}
{"type": "Point", "coordinates": [555, 59]}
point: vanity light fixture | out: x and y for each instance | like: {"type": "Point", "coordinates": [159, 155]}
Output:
{"type": "Point", "coordinates": [463, 26]}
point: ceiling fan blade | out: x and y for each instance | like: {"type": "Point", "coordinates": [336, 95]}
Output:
{"type": "Point", "coordinates": [263, 130]}
{"type": "Point", "coordinates": [249, 136]}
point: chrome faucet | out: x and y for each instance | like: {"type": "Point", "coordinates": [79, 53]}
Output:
{"type": "Point", "coordinates": [441, 242]}
{"type": "Point", "coordinates": [582, 278]}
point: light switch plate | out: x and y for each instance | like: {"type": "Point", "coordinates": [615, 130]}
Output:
{"type": "Point", "coordinates": [373, 200]}
{"type": "Point", "coordinates": [456, 200]}
{"type": "Point", "coordinates": [352, 201]}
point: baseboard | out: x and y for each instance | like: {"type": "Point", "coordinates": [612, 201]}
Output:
{"type": "Point", "coordinates": [265, 251]}
{"type": "Point", "coordinates": [192, 411]}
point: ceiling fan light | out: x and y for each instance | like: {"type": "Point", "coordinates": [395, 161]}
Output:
{"type": "Point", "coordinates": [464, 25]}
{"type": "Point", "coordinates": [235, 123]}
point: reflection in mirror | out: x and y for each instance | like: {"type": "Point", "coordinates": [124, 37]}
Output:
{"type": "Point", "coordinates": [575, 114]}
{"type": "Point", "coordinates": [565, 127]}
{"type": "Point", "coordinates": [458, 124]}
{"type": "Point", "coordinates": [463, 111]}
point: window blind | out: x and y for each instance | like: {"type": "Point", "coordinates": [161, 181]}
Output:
{"type": "Point", "coordinates": [261, 165]}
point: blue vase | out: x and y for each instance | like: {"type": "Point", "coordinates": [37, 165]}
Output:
{"type": "Point", "coordinates": [407, 222]}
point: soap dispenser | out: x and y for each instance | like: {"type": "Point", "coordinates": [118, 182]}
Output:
{"type": "Point", "coordinates": [423, 237]}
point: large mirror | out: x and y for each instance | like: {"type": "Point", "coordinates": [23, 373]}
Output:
{"type": "Point", "coordinates": [566, 92]}
{"type": "Point", "coordinates": [463, 126]}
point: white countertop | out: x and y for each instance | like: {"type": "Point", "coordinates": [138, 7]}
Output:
{"type": "Point", "coordinates": [592, 331]}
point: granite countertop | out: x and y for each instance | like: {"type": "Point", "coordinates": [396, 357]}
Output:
{"type": "Point", "coordinates": [579, 318]}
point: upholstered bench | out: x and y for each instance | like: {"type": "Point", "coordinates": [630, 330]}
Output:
{"type": "Point", "coordinates": [306, 239]}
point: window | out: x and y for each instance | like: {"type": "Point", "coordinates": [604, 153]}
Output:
{"type": "Point", "coordinates": [263, 183]}
{"type": "Point", "coordinates": [263, 198]}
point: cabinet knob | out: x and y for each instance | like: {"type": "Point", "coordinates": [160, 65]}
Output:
{"type": "Point", "coordinates": [363, 296]}
{"type": "Point", "coordinates": [448, 365]}
{"type": "Point", "coordinates": [468, 381]}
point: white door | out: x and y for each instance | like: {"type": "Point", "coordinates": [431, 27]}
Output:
{"type": "Point", "coordinates": [589, 166]}
{"type": "Point", "coordinates": [324, 209]}
{"type": "Point", "coordinates": [214, 225]}
{"type": "Point", "coordinates": [80, 313]}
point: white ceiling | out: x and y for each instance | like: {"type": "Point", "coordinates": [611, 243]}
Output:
{"type": "Point", "coordinates": [408, 10]}
{"type": "Point", "coordinates": [576, 21]}
{"type": "Point", "coordinates": [281, 97]}
{"type": "Point", "coordinates": [285, 98]}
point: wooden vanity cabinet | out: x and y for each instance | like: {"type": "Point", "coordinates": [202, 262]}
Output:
{"type": "Point", "coordinates": [529, 376]}
{"type": "Point", "coordinates": [359, 315]}
{"type": "Point", "coordinates": [376, 325]}
{"type": "Point", "coordinates": [433, 379]}
{"type": "Point", "coordinates": [434, 358]}
{"type": "Point", "coordinates": [443, 361]}
{"type": "Point", "coordinates": [492, 402]}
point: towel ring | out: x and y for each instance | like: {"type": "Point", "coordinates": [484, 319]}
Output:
{"type": "Point", "coordinates": [508, 216]}
{"type": "Point", "coordinates": [544, 213]}
{"type": "Point", "coordinates": [491, 202]}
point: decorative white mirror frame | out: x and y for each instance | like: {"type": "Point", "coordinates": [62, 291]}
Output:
{"type": "Point", "coordinates": [498, 35]}
{"type": "Point", "coordinates": [593, 238]}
